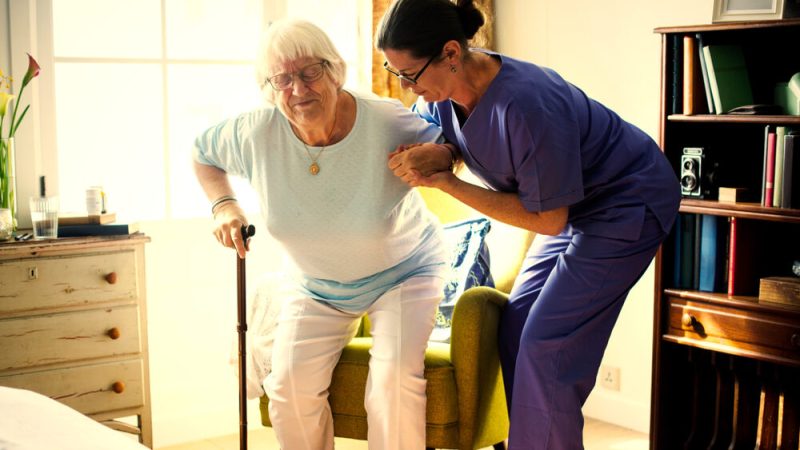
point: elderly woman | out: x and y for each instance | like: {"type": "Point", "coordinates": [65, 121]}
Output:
{"type": "Point", "coordinates": [362, 240]}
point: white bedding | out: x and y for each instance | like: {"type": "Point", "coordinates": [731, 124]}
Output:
{"type": "Point", "coordinates": [31, 421]}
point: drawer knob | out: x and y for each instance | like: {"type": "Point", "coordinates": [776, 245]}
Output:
{"type": "Point", "coordinates": [796, 340]}
{"type": "Point", "coordinates": [689, 321]}
{"type": "Point", "coordinates": [113, 333]}
{"type": "Point", "coordinates": [112, 278]}
{"type": "Point", "coordinates": [118, 387]}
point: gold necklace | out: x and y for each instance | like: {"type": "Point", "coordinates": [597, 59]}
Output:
{"type": "Point", "coordinates": [314, 167]}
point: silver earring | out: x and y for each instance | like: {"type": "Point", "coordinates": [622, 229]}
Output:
{"type": "Point", "coordinates": [452, 68]}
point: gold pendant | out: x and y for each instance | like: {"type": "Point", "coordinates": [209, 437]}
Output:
{"type": "Point", "coordinates": [313, 168]}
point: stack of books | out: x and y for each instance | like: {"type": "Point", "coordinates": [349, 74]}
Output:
{"type": "Point", "coordinates": [780, 168]}
{"type": "Point", "coordinates": [78, 225]}
{"type": "Point", "coordinates": [715, 78]}
{"type": "Point", "coordinates": [728, 255]}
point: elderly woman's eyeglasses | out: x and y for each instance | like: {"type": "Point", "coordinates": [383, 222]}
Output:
{"type": "Point", "coordinates": [308, 74]}
{"type": "Point", "coordinates": [406, 78]}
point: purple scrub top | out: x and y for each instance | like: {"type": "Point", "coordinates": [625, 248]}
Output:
{"type": "Point", "coordinates": [536, 134]}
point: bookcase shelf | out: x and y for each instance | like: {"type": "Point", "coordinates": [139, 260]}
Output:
{"type": "Point", "coordinates": [743, 210]}
{"type": "Point", "coordinates": [731, 26]}
{"type": "Point", "coordinates": [726, 363]}
{"type": "Point", "coordinates": [732, 118]}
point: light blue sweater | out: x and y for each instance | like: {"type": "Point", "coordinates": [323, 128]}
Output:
{"type": "Point", "coordinates": [354, 230]}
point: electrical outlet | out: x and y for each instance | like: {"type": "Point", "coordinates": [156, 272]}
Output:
{"type": "Point", "coordinates": [609, 377]}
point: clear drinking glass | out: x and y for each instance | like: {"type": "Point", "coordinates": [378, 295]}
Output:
{"type": "Point", "coordinates": [6, 225]}
{"type": "Point", "coordinates": [44, 216]}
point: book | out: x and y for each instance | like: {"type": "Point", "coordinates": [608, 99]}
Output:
{"type": "Point", "coordinates": [791, 170]}
{"type": "Point", "coordinates": [698, 233]}
{"type": "Point", "coordinates": [704, 72]}
{"type": "Point", "coordinates": [731, 252]}
{"type": "Point", "coordinates": [764, 167]}
{"type": "Point", "coordinates": [727, 77]}
{"type": "Point", "coordinates": [713, 240]}
{"type": "Point", "coordinates": [97, 229]}
{"type": "Point", "coordinates": [769, 179]}
{"type": "Point", "coordinates": [677, 260]}
{"type": "Point", "coordinates": [740, 258]}
{"type": "Point", "coordinates": [687, 250]}
{"type": "Point", "coordinates": [83, 219]}
{"type": "Point", "coordinates": [693, 98]}
{"type": "Point", "coordinates": [777, 190]}
{"type": "Point", "coordinates": [675, 84]}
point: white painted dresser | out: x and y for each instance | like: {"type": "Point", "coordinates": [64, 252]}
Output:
{"type": "Point", "coordinates": [73, 325]}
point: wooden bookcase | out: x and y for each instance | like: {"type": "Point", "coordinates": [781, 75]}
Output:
{"type": "Point", "coordinates": [726, 368]}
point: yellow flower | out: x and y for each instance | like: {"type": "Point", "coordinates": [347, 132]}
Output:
{"type": "Point", "coordinates": [4, 99]}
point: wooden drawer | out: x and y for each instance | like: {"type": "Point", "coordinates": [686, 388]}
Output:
{"type": "Point", "coordinates": [32, 284]}
{"type": "Point", "coordinates": [762, 335]}
{"type": "Point", "coordinates": [88, 389]}
{"type": "Point", "coordinates": [57, 338]}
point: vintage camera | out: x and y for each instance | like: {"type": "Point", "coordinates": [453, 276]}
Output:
{"type": "Point", "coordinates": [692, 172]}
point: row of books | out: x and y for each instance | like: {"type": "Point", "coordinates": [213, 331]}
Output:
{"type": "Point", "coordinates": [713, 77]}
{"type": "Point", "coordinates": [718, 254]}
{"type": "Point", "coordinates": [781, 168]}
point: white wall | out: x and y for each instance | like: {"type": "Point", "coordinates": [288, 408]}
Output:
{"type": "Point", "coordinates": [4, 36]}
{"type": "Point", "coordinates": [609, 50]}
{"type": "Point", "coordinates": [191, 290]}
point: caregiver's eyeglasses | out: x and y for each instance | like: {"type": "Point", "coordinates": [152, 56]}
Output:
{"type": "Point", "coordinates": [406, 78]}
{"type": "Point", "coordinates": [308, 74]}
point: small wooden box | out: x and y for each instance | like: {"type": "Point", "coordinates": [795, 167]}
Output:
{"type": "Point", "coordinates": [784, 290]}
{"type": "Point", "coordinates": [730, 194]}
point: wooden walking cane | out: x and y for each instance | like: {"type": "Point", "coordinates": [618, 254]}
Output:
{"type": "Point", "coordinates": [241, 329]}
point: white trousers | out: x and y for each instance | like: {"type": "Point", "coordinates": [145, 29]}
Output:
{"type": "Point", "coordinates": [310, 337]}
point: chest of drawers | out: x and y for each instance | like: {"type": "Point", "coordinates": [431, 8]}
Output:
{"type": "Point", "coordinates": [73, 325]}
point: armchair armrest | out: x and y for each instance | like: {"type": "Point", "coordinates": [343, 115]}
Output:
{"type": "Point", "coordinates": [473, 351]}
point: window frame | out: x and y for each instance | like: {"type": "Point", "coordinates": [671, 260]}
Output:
{"type": "Point", "coordinates": [30, 31]}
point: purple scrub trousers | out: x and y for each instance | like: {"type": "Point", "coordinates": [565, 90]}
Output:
{"type": "Point", "coordinates": [556, 326]}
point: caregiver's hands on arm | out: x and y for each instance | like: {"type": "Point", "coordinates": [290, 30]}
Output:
{"type": "Point", "coordinates": [410, 162]}
{"type": "Point", "coordinates": [229, 217]}
{"type": "Point", "coordinates": [429, 165]}
{"type": "Point", "coordinates": [503, 206]}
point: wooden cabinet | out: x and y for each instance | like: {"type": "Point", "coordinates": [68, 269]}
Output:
{"type": "Point", "coordinates": [73, 325]}
{"type": "Point", "coordinates": [726, 364]}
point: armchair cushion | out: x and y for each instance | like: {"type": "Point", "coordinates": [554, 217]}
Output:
{"type": "Point", "coordinates": [347, 398]}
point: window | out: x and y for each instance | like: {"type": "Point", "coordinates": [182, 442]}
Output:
{"type": "Point", "coordinates": [137, 80]}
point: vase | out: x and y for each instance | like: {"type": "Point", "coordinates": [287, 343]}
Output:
{"type": "Point", "coordinates": [8, 179]}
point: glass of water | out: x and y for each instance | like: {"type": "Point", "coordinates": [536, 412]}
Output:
{"type": "Point", "coordinates": [44, 216]}
{"type": "Point", "coordinates": [6, 225]}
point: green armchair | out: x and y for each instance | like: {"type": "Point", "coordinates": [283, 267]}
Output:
{"type": "Point", "coordinates": [466, 407]}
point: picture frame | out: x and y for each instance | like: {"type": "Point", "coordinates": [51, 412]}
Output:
{"type": "Point", "coordinates": [750, 10]}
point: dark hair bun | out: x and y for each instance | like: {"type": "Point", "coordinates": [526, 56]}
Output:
{"type": "Point", "coordinates": [471, 18]}
{"type": "Point", "coordinates": [424, 26]}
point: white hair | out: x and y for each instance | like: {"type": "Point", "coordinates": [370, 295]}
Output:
{"type": "Point", "coordinates": [286, 40]}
